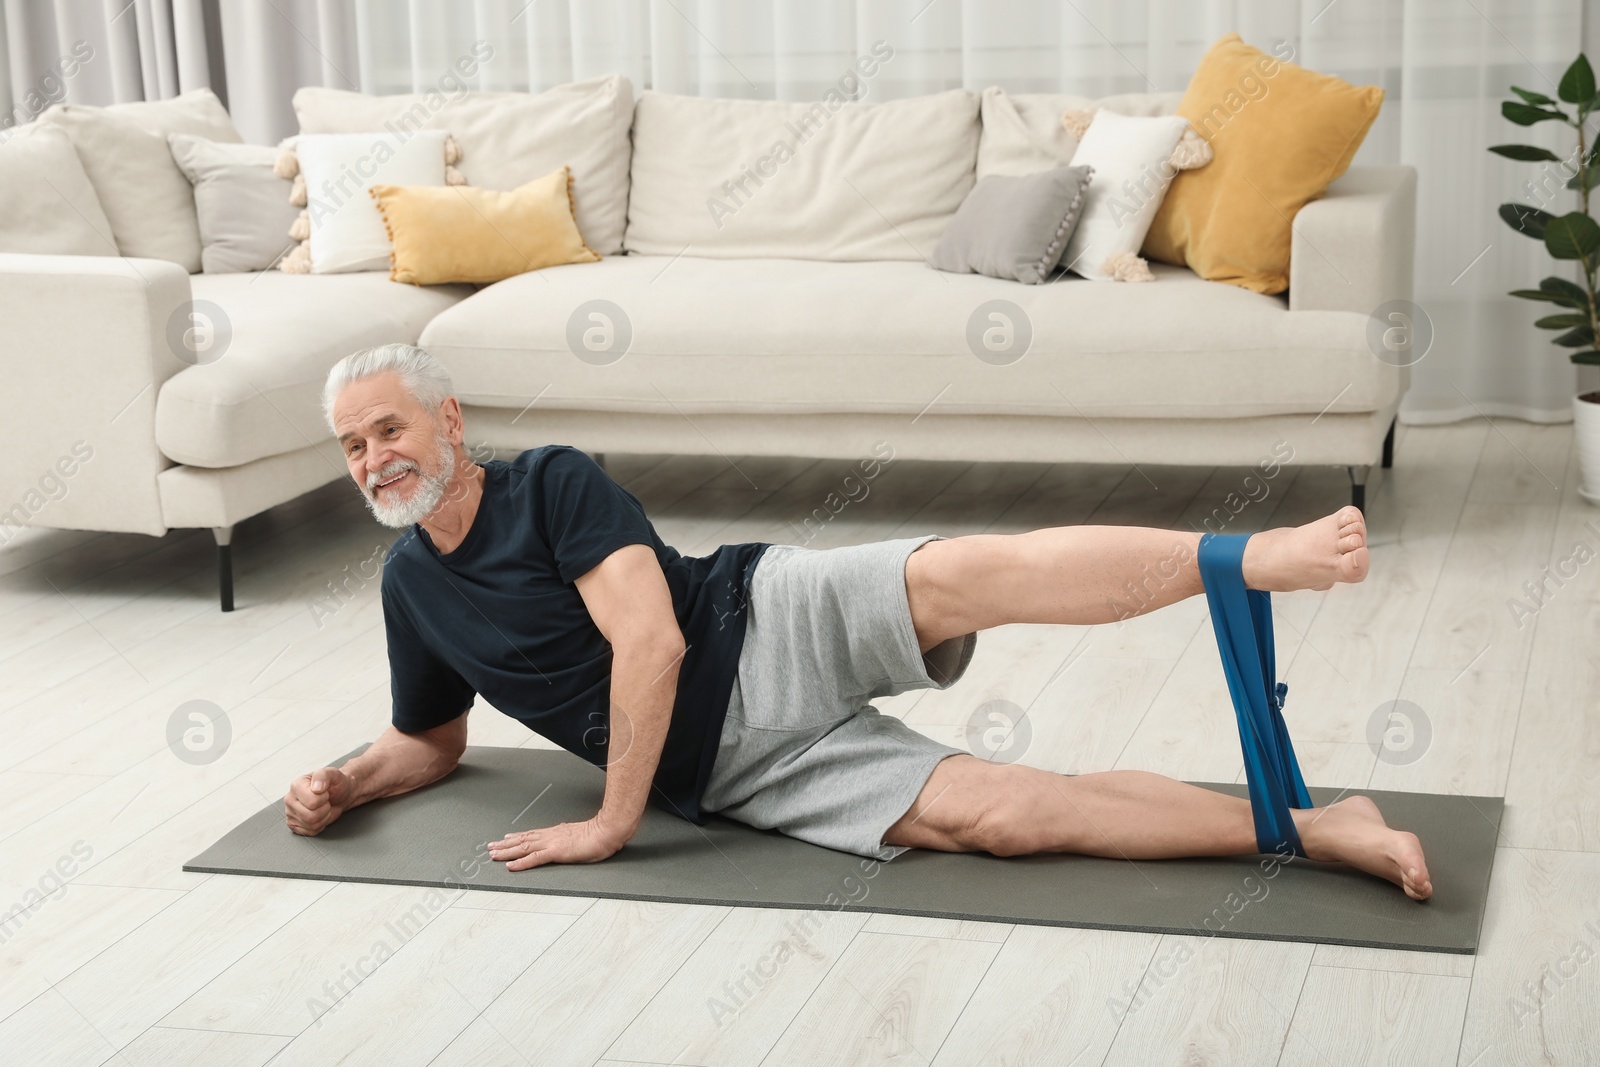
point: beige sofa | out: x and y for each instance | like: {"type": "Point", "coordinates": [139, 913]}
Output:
{"type": "Point", "coordinates": [731, 346]}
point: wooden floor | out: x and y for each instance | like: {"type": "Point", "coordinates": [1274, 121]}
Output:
{"type": "Point", "coordinates": [131, 961]}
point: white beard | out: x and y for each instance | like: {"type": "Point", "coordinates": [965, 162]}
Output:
{"type": "Point", "coordinates": [423, 499]}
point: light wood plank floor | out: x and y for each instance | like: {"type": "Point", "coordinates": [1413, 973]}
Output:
{"type": "Point", "coordinates": [130, 961]}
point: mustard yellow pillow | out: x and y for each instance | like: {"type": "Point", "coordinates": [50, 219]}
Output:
{"type": "Point", "coordinates": [458, 233]}
{"type": "Point", "coordinates": [1279, 134]}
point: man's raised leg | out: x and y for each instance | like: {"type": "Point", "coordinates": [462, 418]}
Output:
{"type": "Point", "coordinates": [971, 805]}
{"type": "Point", "coordinates": [1081, 575]}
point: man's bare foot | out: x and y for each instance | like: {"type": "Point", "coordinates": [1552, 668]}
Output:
{"type": "Point", "coordinates": [1313, 556]}
{"type": "Point", "coordinates": [1353, 831]}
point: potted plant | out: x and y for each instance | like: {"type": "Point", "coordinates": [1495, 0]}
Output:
{"type": "Point", "coordinates": [1573, 237]}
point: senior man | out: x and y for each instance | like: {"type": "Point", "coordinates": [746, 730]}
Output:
{"type": "Point", "coordinates": [740, 682]}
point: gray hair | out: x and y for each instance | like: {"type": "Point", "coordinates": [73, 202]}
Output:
{"type": "Point", "coordinates": [422, 376]}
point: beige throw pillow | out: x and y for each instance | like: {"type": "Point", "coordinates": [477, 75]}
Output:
{"type": "Point", "coordinates": [50, 207]}
{"type": "Point", "coordinates": [146, 198]}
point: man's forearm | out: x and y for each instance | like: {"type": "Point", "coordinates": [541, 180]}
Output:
{"type": "Point", "coordinates": [396, 763]}
{"type": "Point", "coordinates": [644, 686]}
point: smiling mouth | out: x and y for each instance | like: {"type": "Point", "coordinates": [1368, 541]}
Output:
{"type": "Point", "coordinates": [391, 481]}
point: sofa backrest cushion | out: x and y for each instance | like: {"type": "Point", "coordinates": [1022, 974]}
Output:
{"type": "Point", "coordinates": [1023, 134]}
{"type": "Point", "coordinates": [148, 201]}
{"type": "Point", "coordinates": [509, 139]}
{"type": "Point", "coordinates": [50, 207]}
{"type": "Point", "coordinates": [760, 178]}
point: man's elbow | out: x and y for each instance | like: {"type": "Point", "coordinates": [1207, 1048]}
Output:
{"type": "Point", "coordinates": [446, 744]}
{"type": "Point", "coordinates": [442, 760]}
{"type": "Point", "coordinates": [671, 646]}
{"type": "Point", "coordinates": [663, 647]}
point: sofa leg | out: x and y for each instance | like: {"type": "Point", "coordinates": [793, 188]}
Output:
{"type": "Point", "coordinates": [224, 538]}
{"type": "Point", "coordinates": [1388, 445]}
{"type": "Point", "coordinates": [1358, 486]}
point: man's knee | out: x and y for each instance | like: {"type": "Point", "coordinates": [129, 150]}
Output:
{"type": "Point", "coordinates": [972, 805]}
{"type": "Point", "coordinates": [928, 594]}
{"type": "Point", "coordinates": [1001, 826]}
{"type": "Point", "coordinates": [946, 584]}
{"type": "Point", "coordinates": [1000, 818]}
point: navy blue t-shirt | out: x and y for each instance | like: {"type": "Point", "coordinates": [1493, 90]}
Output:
{"type": "Point", "coordinates": [501, 616]}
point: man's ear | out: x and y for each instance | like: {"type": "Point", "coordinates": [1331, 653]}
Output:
{"type": "Point", "coordinates": [455, 427]}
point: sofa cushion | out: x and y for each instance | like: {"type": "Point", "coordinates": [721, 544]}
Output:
{"type": "Point", "coordinates": [124, 151]}
{"type": "Point", "coordinates": [750, 178]}
{"type": "Point", "coordinates": [1022, 132]}
{"type": "Point", "coordinates": [510, 139]}
{"type": "Point", "coordinates": [50, 207]}
{"type": "Point", "coordinates": [788, 336]}
{"type": "Point", "coordinates": [262, 395]}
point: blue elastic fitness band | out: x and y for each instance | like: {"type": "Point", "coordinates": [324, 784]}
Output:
{"type": "Point", "coordinates": [1243, 621]}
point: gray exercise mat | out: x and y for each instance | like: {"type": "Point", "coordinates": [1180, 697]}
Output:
{"type": "Point", "coordinates": [434, 837]}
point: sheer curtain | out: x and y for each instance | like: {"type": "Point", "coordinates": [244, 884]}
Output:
{"type": "Point", "coordinates": [1444, 65]}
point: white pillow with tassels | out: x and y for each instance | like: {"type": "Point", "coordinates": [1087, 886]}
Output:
{"type": "Point", "coordinates": [1134, 160]}
{"type": "Point", "coordinates": [341, 229]}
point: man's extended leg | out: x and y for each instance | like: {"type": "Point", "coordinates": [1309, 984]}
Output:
{"type": "Point", "coordinates": [1095, 574]}
{"type": "Point", "coordinates": [972, 805]}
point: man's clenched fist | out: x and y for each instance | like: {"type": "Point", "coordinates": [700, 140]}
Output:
{"type": "Point", "coordinates": [314, 800]}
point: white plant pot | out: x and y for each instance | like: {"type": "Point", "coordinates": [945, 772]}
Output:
{"type": "Point", "coordinates": [1586, 426]}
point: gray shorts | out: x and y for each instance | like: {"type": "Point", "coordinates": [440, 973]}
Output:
{"type": "Point", "coordinates": [802, 750]}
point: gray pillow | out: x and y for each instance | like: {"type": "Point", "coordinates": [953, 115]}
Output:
{"type": "Point", "coordinates": [242, 205]}
{"type": "Point", "coordinates": [1014, 227]}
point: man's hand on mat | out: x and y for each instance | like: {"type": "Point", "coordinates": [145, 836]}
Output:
{"type": "Point", "coordinates": [568, 842]}
{"type": "Point", "coordinates": [316, 799]}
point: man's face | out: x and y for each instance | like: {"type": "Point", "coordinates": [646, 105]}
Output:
{"type": "Point", "coordinates": [400, 454]}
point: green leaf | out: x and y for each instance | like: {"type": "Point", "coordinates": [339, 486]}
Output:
{"type": "Point", "coordinates": [1572, 236]}
{"type": "Point", "coordinates": [1524, 219]}
{"type": "Point", "coordinates": [1527, 114]}
{"type": "Point", "coordinates": [1577, 338]}
{"type": "Point", "coordinates": [1540, 294]}
{"type": "Point", "coordinates": [1590, 175]}
{"type": "Point", "coordinates": [1591, 357]}
{"type": "Point", "coordinates": [1556, 291]}
{"type": "Point", "coordinates": [1562, 288]}
{"type": "Point", "coordinates": [1532, 98]}
{"type": "Point", "coordinates": [1562, 322]}
{"type": "Point", "coordinates": [1527, 153]}
{"type": "Point", "coordinates": [1577, 84]}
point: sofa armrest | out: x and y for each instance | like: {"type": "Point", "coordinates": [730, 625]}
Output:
{"type": "Point", "coordinates": [1353, 248]}
{"type": "Point", "coordinates": [86, 350]}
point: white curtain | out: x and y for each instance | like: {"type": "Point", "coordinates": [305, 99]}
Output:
{"type": "Point", "coordinates": [1444, 65]}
